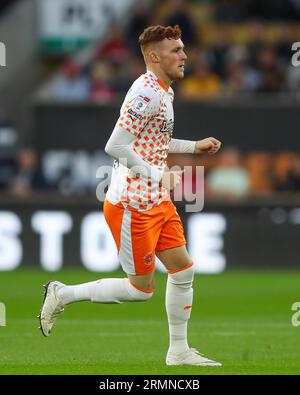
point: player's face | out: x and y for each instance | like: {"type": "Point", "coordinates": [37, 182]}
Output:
{"type": "Point", "coordinates": [172, 58]}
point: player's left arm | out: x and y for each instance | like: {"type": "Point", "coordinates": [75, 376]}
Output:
{"type": "Point", "coordinates": [210, 145]}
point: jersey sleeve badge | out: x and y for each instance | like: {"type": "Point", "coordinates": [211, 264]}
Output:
{"type": "Point", "coordinates": [141, 103]}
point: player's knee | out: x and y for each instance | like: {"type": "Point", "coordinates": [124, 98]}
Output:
{"type": "Point", "coordinates": [144, 296]}
{"type": "Point", "coordinates": [183, 277]}
{"type": "Point", "coordinates": [140, 294]}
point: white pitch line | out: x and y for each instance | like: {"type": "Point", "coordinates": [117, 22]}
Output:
{"type": "Point", "coordinates": [133, 322]}
{"type": "Point", "coordinates": [94, 334]}
{"type": "Point", "coordinates": [234, 333]}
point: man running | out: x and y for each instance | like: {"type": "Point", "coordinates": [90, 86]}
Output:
{"type": "Point", "coordinates": [138, 209]}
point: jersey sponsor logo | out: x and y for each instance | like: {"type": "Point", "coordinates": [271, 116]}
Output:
{"type": "Point", "coordinates": [167, 126]}
{"type": "Point", "coordinates": [134, 114]}
{"type": "Point", "coordinates": [116, 164]}
{"type": "Point", "coordinates": [140, 104]}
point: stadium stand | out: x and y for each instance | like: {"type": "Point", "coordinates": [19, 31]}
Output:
{"type": "Point", "coordinates": [237, 51]}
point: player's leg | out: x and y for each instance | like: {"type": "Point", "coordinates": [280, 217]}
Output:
{"type": "Point", "coordinates": [179, 295]}
{"type": "Point", "coordinates": [106, 290]}
{"type": "Point", "coordinates": [173, 254]}
{"type": "Point", "coordinates": [133, 243]}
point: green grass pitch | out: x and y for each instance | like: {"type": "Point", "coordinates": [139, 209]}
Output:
{"type": "Point", "coordinates": [240, 318]}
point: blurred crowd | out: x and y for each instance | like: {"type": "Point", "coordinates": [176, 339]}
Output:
{"type": "Point", "coordinates": [235, 49]}
{"type": "Point", "coordinates": [231, 174]}
{"type": "Point", "coordinates": [234, 175]}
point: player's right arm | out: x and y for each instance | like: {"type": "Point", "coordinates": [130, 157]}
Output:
{"type": "Point", "coordinates": [137, 110]}
{"type": "Point", "coordinates": [120, 147]}
{"type": "Point", "coordinates": [140, 106]}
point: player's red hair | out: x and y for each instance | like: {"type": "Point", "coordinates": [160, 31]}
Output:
{"type": "Point", "coordinates": [158, 33]}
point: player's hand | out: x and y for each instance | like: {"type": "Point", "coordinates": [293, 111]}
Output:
{"type": "Point", "coordinates": [171, 179]}
{"type": "Point", "coordinates": [209, 145]}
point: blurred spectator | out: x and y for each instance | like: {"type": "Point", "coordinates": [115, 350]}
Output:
{"type": "Point", "coordinates": [101, 85]}
{"type": "Point", "coordinates": [219, 49]}
{"type": "Point", "coordinates": [293, 81]}
{"type": "Point", "coordinates": [272, 74]}
{"type": "Point", "coordinates": [139, 21]}
{"type": "Point", "coordinates": [295, 7]}
{"type": "Point", "coordinates": [178, 15]}
{"type": "Point", "coordinates": [7, 168]}
{"type": "Point", "coordinates": [272, 9]}
{"type": "Point", "coordinates": [137, 68]}
{"type": "Point", "coordinates": [222, 68]}
{"type": "Point", "coordinates": [8, 147]}
{"type": "Point", "coordinates": [156, 19]}
{"type": "Point", "coordinates": [292, 180]}
{"type": "Point", "coordinates": [126, 76]}
{"type": "Point", "coordinates": [29, 176]}
{"type": "Point", "coordinates": [229, 10]}
{"type": "Point", "coordinates": [70, 85]}
{"type": "Point", "coordinates": [240, 78]}
{"type": "Point", "coordinates": [228, 179]}
{"type": "Point", "coordinates": [284, 43]}
{"type": "Point", "coordinates": [116, 48]}
{"type": "Point", "coordinates": [202, 83]}
{"type": "Point", "coordinates": [257, 33]}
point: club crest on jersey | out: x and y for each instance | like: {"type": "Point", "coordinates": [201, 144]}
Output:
{"type": "Point", "coordinates": [140, 103]}
{"type": "Point", "coordinates": [148, 258]}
